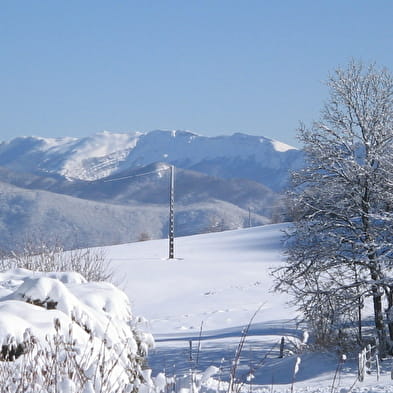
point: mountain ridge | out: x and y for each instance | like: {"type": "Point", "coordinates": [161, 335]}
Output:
{"type": "Point", "coordinates": [112, 188]}
{"type": "Point", "coordinates": [45, 217]}
{"type": "Point", "coordinates": [239, 155]}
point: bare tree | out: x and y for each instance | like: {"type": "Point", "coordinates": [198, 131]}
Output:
{"type": "Point", "coordinates": [340, 248]}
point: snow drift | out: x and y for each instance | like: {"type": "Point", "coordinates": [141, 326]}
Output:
{"type": "Point", "coordinates": [59, 331]}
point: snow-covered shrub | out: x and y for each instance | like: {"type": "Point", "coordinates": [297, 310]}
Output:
{"type": "Point", "coordinates": [60, 333]}
{"type": "Point", "coordinates": [90, 263]}
{"type": "Point", "coordinates": [333, 324]}
{"type": "Point", "coordinates": [144, 236]}
{"type": "Point", "coordinates": [368, 361]}
{"type": "Point", "coordinates": [192, 382]}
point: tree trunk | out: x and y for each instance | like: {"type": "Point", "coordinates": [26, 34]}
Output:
{"type": "Point", "coordinates": [378, 318]}
{"type": "Point", "coordinates": [360, 305]}
{"type": "Point", "coordinates": [374, 273]}
{"type": "Point", "coordinates": [389, 311]}
{"type": "Point", "coordinates": [360, 334]}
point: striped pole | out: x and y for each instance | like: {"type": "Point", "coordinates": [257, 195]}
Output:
{"type": "Point", "coordinates": [172, 214]}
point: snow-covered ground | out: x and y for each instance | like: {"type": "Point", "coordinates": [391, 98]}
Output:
{"type": "Point", "coordinates": [60, 333]}
{"type": "Point", "coordinates": [211, 290]}
{"type": "Point", "coordinates": [197, 306]}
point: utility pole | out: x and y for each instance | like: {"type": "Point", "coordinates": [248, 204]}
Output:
{"type": "Point", "coordinates": [172, 213]}
{"type": "Point", "coordinates": [171, 203]}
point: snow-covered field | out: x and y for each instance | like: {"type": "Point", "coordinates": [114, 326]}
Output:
{"type": "Point", "coordinates": [197, 306]}
{"type": "Point", "coordinates": [205, 297]}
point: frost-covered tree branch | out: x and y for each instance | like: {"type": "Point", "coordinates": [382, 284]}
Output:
{"type": "Point", "coordinates": [340, 248]}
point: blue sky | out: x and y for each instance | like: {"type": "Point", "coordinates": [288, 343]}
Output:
{"type": "Point", "coordinates": [77, 67]}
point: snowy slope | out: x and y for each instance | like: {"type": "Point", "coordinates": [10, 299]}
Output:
{"type": "Point", "coordinates": [239, 155]}
{"type": "Point", "coordinates": [66, 156]}
{"type": "Point", "coordinates": [218, 281]}
{"type": "Point", "coordinates": [210, 271]}
{"type": "Point", "coordinates": [198, 305]}
{"type": "Point", "coordinates": [41, 216]}
{"type": "Point", "coordinates": [222, 182]}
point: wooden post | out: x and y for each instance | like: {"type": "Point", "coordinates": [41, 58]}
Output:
{"type": "Point", "coordinates": [190, 350]}
{"type": "Point", "coordinates": [282, 347]}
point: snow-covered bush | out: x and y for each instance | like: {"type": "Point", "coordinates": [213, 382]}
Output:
{"type": "Point", "coordinates": [192, 382]}
{"type": "Point", "coordinates": [60, 333]}
{"type": "Point", "coordinates": [90, 263]}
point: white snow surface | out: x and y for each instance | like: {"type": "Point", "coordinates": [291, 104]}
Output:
{"type": "Point", "coordinates": [113, 146]}
{"type": "Point", "coordinates": [197, 306]}
{"type": "Point", "coordinates": [281, 147]}
{"type": "Point", "coordinates": [213, 287]}
{"type": "Point", "coordinates": [93, 320]}
{"type": "Point", "coordinates": [219, 278]}
{"type": "Point", "coordinates": [97, 307]}
{"type": "Point", "coordinates": [107, 152]}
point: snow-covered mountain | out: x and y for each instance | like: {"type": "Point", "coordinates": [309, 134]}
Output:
{"type": "Point", "coordinates": [237, 156]}
{"type": "Point", "coordinates": [31, 215]}
{"type": "Point", "coordinates": [62, 189]}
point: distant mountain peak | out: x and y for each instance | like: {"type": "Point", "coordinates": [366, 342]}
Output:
{"type": "Point", "coordinates": [227, 180]}
{"type": "Point", "coordinates": [239, 155]}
